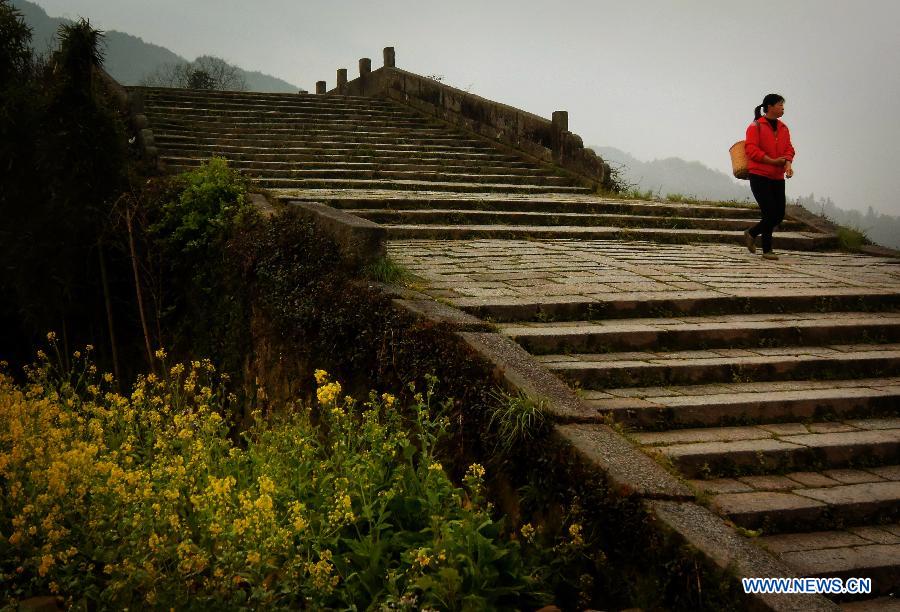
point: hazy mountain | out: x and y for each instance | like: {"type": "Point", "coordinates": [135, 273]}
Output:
{"type": "Point", "coordinates": [129, 58]}
{"type": "Point", "coordinates": [674, 175]}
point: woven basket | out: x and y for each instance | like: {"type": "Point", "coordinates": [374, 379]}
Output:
{"type": "Point", "coordinates": [739, 160]}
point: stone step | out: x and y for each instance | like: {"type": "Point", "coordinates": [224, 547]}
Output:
{"type": "Point", "coordinates": [445, 216]}
{"type": "Point", "coordinates": [402, 175]}
{"type": "Point", "coordinates": [310, 115]}
{"type": "Point", "coordinates": [292, 121]}
{"type": "Point", "coordinates": [203, 100]}
{"type": "Point", "coordinates": [422, 185]}
{"type": "Point", "coordinates": [178, 93]}
{"type": "Point", "coordinates": [374, 154]}
{"type": "Point", "coordinates": [812, 508]}
{"type": "Point", "coordinates": [693, 303]}
{"type": "Point", "coordinates": [299, 105]}
{"type": "Point", "coordinates": [609, 370]}
{"type": "Point", "coordinates": [315, 163]}
{"type": "Point", "coordinates": [867, 551]}
{"type": "Point", "coordinates": [264, 121]}
{"type": "Point", "coordinates": [889, 603]}
{"type": "Point", "coordinates": [786, 240]}
{"type": "Point", "coordinates": [227, 130]}
{"type": "Point", "coordinates": [325, 146]}
{"type": "Point", "coordinates": [361, 140]}
{"type": "Point", "coordinates": [660, 408]}
{"type": "Point", "coordinates": [523, 203]}
{"type": "Point", "coordinates": [590, 204]}
{"type": "Point", "coordinates": [760, 449]}
{"type": "Point", "coordinates": [726, 331]}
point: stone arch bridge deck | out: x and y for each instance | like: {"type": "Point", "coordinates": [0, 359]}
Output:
{"type": "Point", "coordinates": [745, 393]}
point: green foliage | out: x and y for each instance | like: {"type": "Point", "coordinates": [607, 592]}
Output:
{"type": "Point", "coordinates": [212, 199]}
{"type": "Point", "coordinates": [80, 50]}
{"type": "Point", "coordinates": [63, 158]}
{"type": "Point", "coordinates": [386, 270]}
{"type": "Point", "coordinates": [851, 238]}
{"type": "Point", "coordinates": [189, 219]}
{"type": "Point", "coordinates": [15, 49]}
{"type": "Point", "coordinates": [516, 420]}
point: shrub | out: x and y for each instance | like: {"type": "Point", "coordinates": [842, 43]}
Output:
{"type": "Point", "coordinates": [120, 501]}
{"type": "Point", "coordinates": [851, 238]}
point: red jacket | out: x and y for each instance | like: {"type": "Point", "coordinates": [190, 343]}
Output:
{"type": "Point", "coordinates": [762, 141]}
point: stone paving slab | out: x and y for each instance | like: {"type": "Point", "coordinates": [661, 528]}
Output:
{"type": "Point", "coordinates": [719, 269]}
{"type": "Point", "coordinates": [815, 540]}
{"type": "Point", "coordinates": [809, 508]}
{"type": "Point", "coordinates": [601, 371]}
{"type": "Point", "coordinates": [748, 448]}
{"type": "Point", "coordinates": [725, 331]}
{"type": "Point", "coordinates": [794, 481]}
{"type": "Point", "coordinates": [877, 561]}
{"type": "Point", "coordinates": [880, 604]}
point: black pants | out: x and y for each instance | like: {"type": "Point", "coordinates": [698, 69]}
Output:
{"type": "Point", "coordinates": [769, 194]}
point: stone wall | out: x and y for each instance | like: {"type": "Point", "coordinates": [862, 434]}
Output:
{"type": "Point", "coordinates": [548, 141]}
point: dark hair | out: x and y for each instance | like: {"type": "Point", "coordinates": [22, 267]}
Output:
{"type": "Point", "coordinates": [769, 100]}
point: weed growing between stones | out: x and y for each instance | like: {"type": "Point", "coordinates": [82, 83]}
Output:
{"type": "Point", "coordinates": [387, 271]}
{"type": "Point", "coordinates": [516, 420]}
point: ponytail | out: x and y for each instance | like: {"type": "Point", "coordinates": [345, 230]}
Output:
{"type": "Point", "coordinates": [769, 100]}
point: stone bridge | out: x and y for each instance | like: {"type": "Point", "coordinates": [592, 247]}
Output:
{"type": "Point", "coordinates": [744, 394]}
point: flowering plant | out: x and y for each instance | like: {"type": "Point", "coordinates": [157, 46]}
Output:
{"type": "Point", "coordinates": [117, 501]}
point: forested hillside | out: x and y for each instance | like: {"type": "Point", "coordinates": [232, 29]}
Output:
{"type": "Point", "coordinates": [130, 59]}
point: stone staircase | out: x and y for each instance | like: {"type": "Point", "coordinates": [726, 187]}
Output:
{"type": "Point", "coordinates": [771, 387]}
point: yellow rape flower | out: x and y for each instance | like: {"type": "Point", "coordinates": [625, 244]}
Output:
{"type": "Point", "coordinates": [329, 393]}
{"type": "Point", "coordinates": [575, 532]}
{"type": "Point", "coordinates": [321, 376]}
{"type": "Point", "coordinates": [266, 485]}
{"type": "Point", "coordinates": [47, 562]}
{"type": "Point", "coordinates": [476, 470]}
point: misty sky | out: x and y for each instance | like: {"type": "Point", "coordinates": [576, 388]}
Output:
{"type": "Point", "coordinates": [653, 78]}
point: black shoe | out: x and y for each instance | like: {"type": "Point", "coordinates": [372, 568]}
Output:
{"type": "Point", "coordinates": [749, 241]}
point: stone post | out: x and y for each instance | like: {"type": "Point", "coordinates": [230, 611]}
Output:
{"type": "Point", "coordinates": [365, 66]}
{"type": "Point", "coordinates": [320, 87]}
{"type": "Point", "coordinates": [559, 126]}
{"type": "Point", "coordinates": [341, 80]}
{"type": "Point", "coordinates": [390, 60]}
{"type": "Point", "coordinates": [560, 121]}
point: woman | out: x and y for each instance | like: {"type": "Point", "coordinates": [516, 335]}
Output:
{"type": "Point", "coordinates": [769, 159]}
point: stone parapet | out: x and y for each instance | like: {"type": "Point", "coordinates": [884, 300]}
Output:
{"type": "Point", "coordinates": [544, 140]}
{"type": "Point", "coordinates": [360, 242]}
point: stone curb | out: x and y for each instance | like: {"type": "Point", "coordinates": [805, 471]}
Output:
{"type": "Point", "coordinates": [628, 470]}
{"type": "Point", "coordinates": [727, 550]}
{"type": "Point", "coordinates": [359, 241]}
{"type": "Point", "coordinates": [519, 371]}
